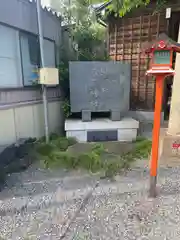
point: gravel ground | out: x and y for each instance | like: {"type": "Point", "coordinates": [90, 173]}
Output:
{"type": "Point", "coordinates": [131, 215]}
{"type": "Point", "coordinates": [40, 204]}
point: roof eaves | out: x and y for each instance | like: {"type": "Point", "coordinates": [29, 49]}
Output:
{"type": "Point", "coordinates": [102, 6]}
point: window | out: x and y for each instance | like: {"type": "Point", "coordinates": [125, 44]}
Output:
{"type": "Point", "coordinates": [20, 57]}
{"type": "Point", "coordinates": [10, 62]}
{"type": "Point", "coordinates": [30, 54]}
{"type": "Point", "coordinates": [49, 53]}
{"type": "Point", "coordinates": [30, 57]}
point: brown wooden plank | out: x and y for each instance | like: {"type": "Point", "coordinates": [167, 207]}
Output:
{"type": "Point", "coordinates": [126, 45]}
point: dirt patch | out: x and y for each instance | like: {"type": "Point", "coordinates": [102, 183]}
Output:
{"type": "Point", "coordinates": [116, 148]}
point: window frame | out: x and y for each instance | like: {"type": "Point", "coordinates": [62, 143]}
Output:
{"type": "Point", "coordinates": [20, 85]}
{"type": "Point", "coordinates": [21, 33]}
{"type": "Point", "coordinates": [55, 54]}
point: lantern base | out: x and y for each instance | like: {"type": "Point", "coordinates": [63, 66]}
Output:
{"type": "Point", "coordinates": [153, 190]}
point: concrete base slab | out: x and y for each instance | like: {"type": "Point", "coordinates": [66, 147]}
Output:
{"type": "Point", "coordinates": [126, 129]}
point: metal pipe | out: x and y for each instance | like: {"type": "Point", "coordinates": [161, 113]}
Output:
{"type": "Point", "coordinates": [44, 89]}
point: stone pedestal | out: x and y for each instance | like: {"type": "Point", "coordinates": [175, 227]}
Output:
{"type": "Point", "coordinates": [102, 130]}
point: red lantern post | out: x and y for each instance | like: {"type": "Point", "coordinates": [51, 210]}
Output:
{"type": "Point", "coordinates": [161, 52]}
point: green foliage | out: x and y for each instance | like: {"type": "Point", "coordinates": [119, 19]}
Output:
{"type": "Point", "coordinates": [66, 108]}
{"type": "Point", "coordinates": [142, 149]}
{"type": "Point", "coordinates": [52, 136]}
{"type": "Point", "coordinates": [89, 161]}
{"type": "Point", "coordinates": [64, 77]}
{"type": "Point", "coordinates": [63, 143]}
{"type": "Point", "coordinates": [45, 149]}
{"type": "Point", "coordinates": [56, 143]}
{"type": "Point", "coordinates": [112, 168]}
{"type": "Point", "coordinates": [71, 141]}
{"type": "Point", "coordinates": [90, 39]}
{"type": "Point", "coordinates": [121, 7]}
{"type": "Point", "coordinates": [98, 149]}
{"type": "Point", "coordinates": [87, 35]}
{"type": "Point", "coordinates": [64, 83]}
{"type": "Point", "coordinates": [58, 159]}
{"type": "Point", "coordinates": [55, 155]}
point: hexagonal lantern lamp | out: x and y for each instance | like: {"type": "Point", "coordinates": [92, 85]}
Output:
{"type": "Point", "coordinates": [161, 51]}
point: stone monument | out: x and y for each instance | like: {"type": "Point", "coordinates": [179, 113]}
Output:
{"type": "Point", "coordinates": [100, 87]}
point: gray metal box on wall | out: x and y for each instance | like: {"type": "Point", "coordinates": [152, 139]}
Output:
{"type": "Point", "coordinates": [99, 86]}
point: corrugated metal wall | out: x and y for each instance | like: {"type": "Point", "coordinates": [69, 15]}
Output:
{"type": "Point", "coordinates": [126, 38]}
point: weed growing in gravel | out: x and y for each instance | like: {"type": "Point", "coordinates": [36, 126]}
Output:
{"type": "Point", "coordinates": [142, 148]}
{"type": "Point", "coordinates": [55, 155]}
{"type": "Point", "coordinates": [56, 143]}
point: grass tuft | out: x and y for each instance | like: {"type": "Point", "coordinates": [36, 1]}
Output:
{"type": "Point", "coordinates": [55, 155]}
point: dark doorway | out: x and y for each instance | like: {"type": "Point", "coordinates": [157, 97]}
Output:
{"type": "Point", "coordinates": [173, 30]}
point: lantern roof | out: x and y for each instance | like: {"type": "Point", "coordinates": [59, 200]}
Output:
{"type": "Point", "coordinates": [160, 43]}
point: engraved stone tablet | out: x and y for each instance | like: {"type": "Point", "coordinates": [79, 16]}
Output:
{"type": "Point", "coordinates": [99, 86]}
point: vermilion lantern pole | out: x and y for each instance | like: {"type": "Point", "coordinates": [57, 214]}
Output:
{"type": "Point", "coordinates": [161, 51]}
{"type": "Point", "coordinates": [156, 131]}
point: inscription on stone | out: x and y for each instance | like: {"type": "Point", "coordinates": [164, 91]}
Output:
{"type": "Point", "coordinates": [99, 86]}
{"type": "Point", "coordinates": [101, 136]}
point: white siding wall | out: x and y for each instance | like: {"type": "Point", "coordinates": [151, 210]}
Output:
{"type": "Point", "coordinates": [28, 121]}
